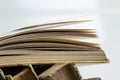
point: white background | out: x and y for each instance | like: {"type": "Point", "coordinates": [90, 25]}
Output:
{"type": "Point", "coordinates": [105, 13]}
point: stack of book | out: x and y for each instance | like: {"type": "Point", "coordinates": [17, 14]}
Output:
{"type": "Point", "coordinates": [40, 52]}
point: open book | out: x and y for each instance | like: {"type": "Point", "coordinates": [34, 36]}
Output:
{"type": "Point", "coordinates": [40, 72]}
{"type": "Point", "coordinates": [43, 44]}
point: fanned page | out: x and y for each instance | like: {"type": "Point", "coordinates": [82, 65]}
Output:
{"type": "Point", "coordinates": [51, 25]}
{"type": "Point", "coordinates": [35, 46]}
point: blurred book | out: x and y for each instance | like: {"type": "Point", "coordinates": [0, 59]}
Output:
{"type": "Point", "coordinates": [61, 72]}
